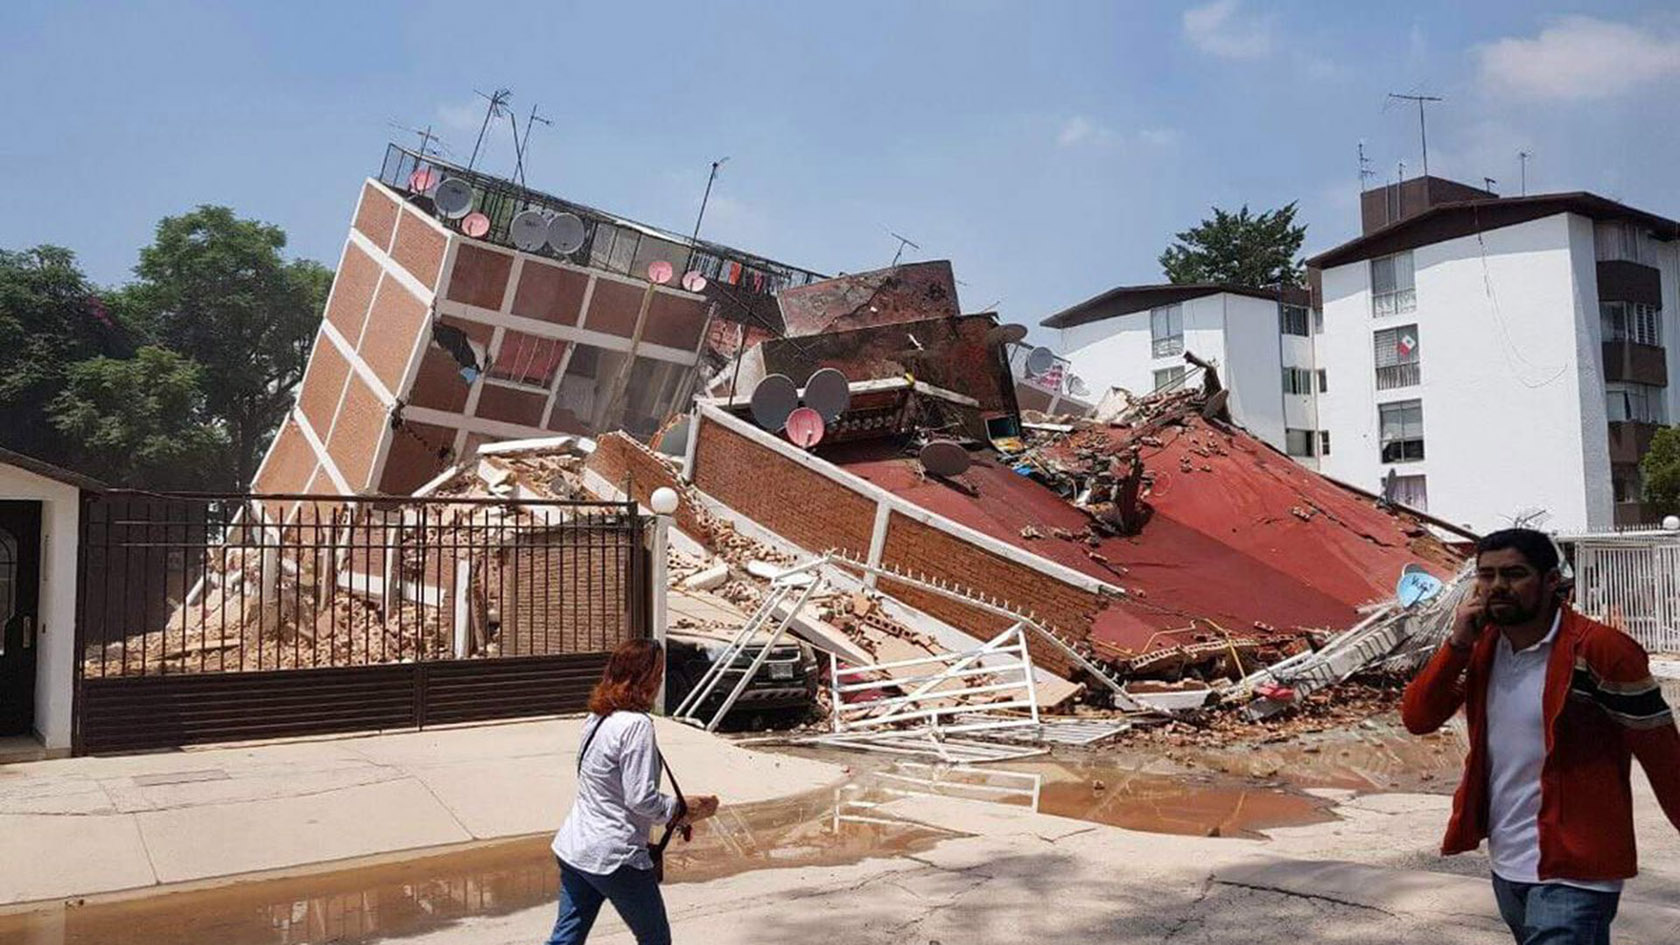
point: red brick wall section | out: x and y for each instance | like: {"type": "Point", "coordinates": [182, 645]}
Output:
{"type": "Point", "coordinates": [613, 308]}
{"type": "Point", "coordinates": [803, 506]}
{"type": "Point", "coordinates": [480, 277]}
{"type": "Point", "coordinates": [416, 457]}
{"type": "Point", "coordinates": [439, 384]}
{"type": "Point", "coordinates": [352, 290]}
{"type": "Point", "coordinates": [323, 384]}
{"type": "Point", "coordinates": [617, 455]}
{"type": "Point", "coordinates": [675, 322]}
{"type": "Point", "coordinates": [419, 249]}
{"type": "Point", "coordinates": [919, 549]}
{"type": "Point", "coordinates": [355, 437]}
{"type": "Point", "coordinates": [377, 216]}
{"type": "Point", "coordinates": [512, 406]}
{"type": "Point", "coordinates": [290, 462]}
{"type": "Point", "coordinates": [395, 325]}
{"type": "Point", "coordinates": [549, 293]}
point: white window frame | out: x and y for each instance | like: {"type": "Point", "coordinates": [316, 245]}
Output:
{"type": "Point", "coordinates": [1324, 442]}
{"type": "Point", "coordinates": [1406, 434]}
{"type": "Point", "coordinates": [1298, 380]}
{"type": "Point", "coordinates": [1298, 442]}
{"type": "Point", "coordinates": [1639, 322]}
{"type": "Point", "coordinates": [1394, 370]}
{"type": "Point", "coordinates": [1168, 377]}
{"type": "Point", "coordinates": [1291, 317]}
{"type": "Point", "coordinates": [1412, 491]}
{"type": "Point", "coordinates": [1393, 295]}
{"type": "Point", "coordinates": [1166, 330]}
{"type": "Point", "coordinates": [1631, 402]}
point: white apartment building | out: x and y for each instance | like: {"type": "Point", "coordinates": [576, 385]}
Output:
{"type": "Point", "coordinates": [1260, 341]}
{"type": "Point", "coordinates": [1499, 357]}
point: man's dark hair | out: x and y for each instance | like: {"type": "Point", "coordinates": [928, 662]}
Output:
{"type": "Point", "coordinates": [1535, 546]}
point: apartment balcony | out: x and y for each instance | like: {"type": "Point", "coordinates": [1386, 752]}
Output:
{"type": "Point", "coordinates": [1635, 513]}
{"type": "Point", "coordinates": [1622, 280]}
{"type": "Point", "coordinates": [1636, 363]}
{"type": "Point", "coordinates": [1629, 439]}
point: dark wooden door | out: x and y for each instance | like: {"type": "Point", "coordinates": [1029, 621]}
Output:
{"type": "Point", "coordinates": [20, 585]}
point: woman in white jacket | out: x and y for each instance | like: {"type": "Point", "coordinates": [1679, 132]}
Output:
{"type": "Point", "coordinates": [603, 844]}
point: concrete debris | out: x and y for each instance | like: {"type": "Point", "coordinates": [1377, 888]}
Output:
{"type": "Point", "coordinates": [710, 579]}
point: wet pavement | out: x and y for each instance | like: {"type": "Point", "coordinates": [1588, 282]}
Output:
{"type": "Point", "coordinates": [1238, 791]}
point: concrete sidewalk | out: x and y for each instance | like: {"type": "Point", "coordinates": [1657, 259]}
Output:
{"type": "Point", "coordinates": [81, 826]}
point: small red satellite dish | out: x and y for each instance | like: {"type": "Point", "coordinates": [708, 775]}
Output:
{"type": "Point", "coordinates": [475, 225]}
{"type": "Point", "coordinates": [660, 271]}
{"type": "Point", "coordinates": [422, 180]}
{"type": "Point", "coordinates": [693, 281]}
{"type": "Point", "coordinates": [805, 427]}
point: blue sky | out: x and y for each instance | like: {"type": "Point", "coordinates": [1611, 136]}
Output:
{"type": "Point", "coordinates": [1050, 150]}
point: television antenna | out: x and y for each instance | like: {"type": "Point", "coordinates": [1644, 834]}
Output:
{"type": "Point", "coordinates": [1423, 128]}
{"type": "Point", "coordinates": [430, 144]}
{"type": "Point", "coordinates": [1488, 183]}
{"type": "Point", "coordinates": [706, 197]}
{"type": "Point", "coordinates": [903, 241]}
{"type": "Point", "coordinates": [521, 148]}
{"type": "Point", "coordinates": [496, 109]}
{"type": "Point", "coordinates": [1522, 157]}
{"type": "Point", "coordinates": [1365, 172]}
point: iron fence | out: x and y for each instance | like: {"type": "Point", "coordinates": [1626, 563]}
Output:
{"type": "Point", "coordinates": [224, 584]}
{"type": "Point", "coordinates": [1632, 582]}
{"type": "Point", "coordinates": [611, 243]}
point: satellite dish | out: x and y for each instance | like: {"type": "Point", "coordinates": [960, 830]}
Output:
{"type": "Point", "coordinates": [1076, 386]}
{"type": "Point", "coordinates": [828, 393]}
{"type": "Point", "coordinates": [475, 225]}
{"type": "Point", "coordinates": [944, 458]}
{"type": "Point", "coordinates": [660, 272]}
{"type": "Point", "coordinates": [773, 400]}
{"type": "Point", "coordinates": [1040, 361]}
{"type": "Point", "coordinates": [566, 233]}
{"type": "Point", "coordinates": [1006, 334]}
{"type": "Point", "coordinates": [805, 427]}
{"type": "Point", "coordinates": [454, 198]}
{"type": "Point", "coordinates": [1416, 586]}
{"type": "Point", "coordinates": [422, 180]}
{"type": "Point", "coordinates": [693, 281]}
{"type": "Point", "coordinates": [1390, 484]}
{"type": "Point", "coordinates": [529, 230]}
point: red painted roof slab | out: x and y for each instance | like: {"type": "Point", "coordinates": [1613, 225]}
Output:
{"type": "Point", "coordinates": [1246, 537]}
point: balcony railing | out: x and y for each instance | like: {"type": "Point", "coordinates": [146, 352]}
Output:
{"type": "Point", "coordinates": [1399, 375]}
{"type": "Point", "coordinates": [611, 242]}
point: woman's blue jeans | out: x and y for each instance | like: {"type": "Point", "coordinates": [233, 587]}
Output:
{"type": "Point", "coordinates": [633, 892]}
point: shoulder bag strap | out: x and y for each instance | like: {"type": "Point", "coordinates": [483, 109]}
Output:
{"type": "Point", "coordinates": [599, 721]}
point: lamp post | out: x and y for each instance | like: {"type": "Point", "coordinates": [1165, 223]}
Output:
{"type": "Point", "coordinates": [663, 502]}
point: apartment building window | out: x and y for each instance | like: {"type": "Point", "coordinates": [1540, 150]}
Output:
{"type": "Point", "coordinates": [1638, 322]}
{"type": "Point", "coordinates": [1298, 442]}
{"type": "Point", "coordinates": [1318, 321]}
{"type": "Point", "coordinates": [1166, 330]}
{"type": "Point", "coordinates": [1169, 377]}
{"type": "Point", "coordinates": [1324, 442]}
{"type": "Point", "coordinates": [1616, 241]}
{"type": "Point", "coordinates": [1392, 289]}
{"type": "Point", "coordinates": [1626, 483]}
{"type": "Point", "coordinates": [1297, 380]}
{"type": "Point", "coordinates": [1638, 403]}
{"type": "Point", "coordinates": [528, 360]}
{"type": "Point", "coordinates": [1294, 320]}
{"type": "Point", "coordinates": [1323, 380]}
{"type": "Point", "coordinates": [1401, 430]}
{"type": "Point", "coordinates": [1397, 358]}
{"type": "Point", "coordinates": [1412, 492]}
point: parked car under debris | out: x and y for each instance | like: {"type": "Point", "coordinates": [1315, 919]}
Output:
{"type": "Point", "coordinates": [782, 694]}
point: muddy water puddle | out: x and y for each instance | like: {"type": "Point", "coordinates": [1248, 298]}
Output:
{"type": "Point", "coordinates": [428, 892]}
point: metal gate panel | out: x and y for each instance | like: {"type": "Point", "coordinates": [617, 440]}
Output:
{"type": "Point", "coordinates": [479, 690]}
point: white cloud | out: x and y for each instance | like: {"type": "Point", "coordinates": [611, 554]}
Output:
{"type": "Point", "coordinates": [463, 117]}
{"type": "Point", "coordinates": [1579, 58]}
{"type": "Point", "coordinates": [1081, 130]}
{"type": "Point", "coordinates": [1160, 137]}
{"type": "Point", "coordinates": [1220, 29]}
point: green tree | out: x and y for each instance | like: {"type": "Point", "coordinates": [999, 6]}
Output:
{"type": "Point", "coordinates": [1255, 250]}
{"type": "Point", "coordinates": [50, 318]}
{"type": "Point", "coordinates": [140, 421]}
{"type": "Point", "coordinates": [1660, 469]}
{"type": "Point", "coordinates": [216, 289]}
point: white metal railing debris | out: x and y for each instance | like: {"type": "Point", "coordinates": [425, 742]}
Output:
{"type": "Point", "coordinates": [750, 638]}
{"type": "Point", "coordinates": [991, 605]}
{"type": "Point", "coordinates": [1631, 582]}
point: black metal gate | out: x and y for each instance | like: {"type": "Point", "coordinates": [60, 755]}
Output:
{"type": "Point", "coordinates": [223, 618]}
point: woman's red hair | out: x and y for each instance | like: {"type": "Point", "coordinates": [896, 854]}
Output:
{"type": "Point", "coordinates": [625, 684]}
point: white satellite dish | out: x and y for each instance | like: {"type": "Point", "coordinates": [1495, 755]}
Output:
{"type": "Point", "coordinates": [529, 230]}
{"type": "Point", "coordinates": [1077, 387]}
{"type": "Point", "coordinates": [1039, 361]}
{"type": "Point", "coordinates": [566, 233]}
{"type": "Point", "coordinates": [454, 198]}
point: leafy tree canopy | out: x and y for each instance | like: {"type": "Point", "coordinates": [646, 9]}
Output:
{"type": "Point", "coordinates": [1660, 469]}
{"type": "Point", "coordinates": [1242, 248]}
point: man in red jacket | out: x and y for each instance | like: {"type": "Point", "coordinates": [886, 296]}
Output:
{"type": "Point", "coordinates": [1557, 704]}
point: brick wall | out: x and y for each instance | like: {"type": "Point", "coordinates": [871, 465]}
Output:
{"type": "Point", "coordinates": [613, 308]}
{"type": "Point", "coordinates": [803, 506]}
{"type": "Point", "coordinates": [395, 325]}
{"type": "Point", "coordinates": [563, 591]}
{"type": "Point", "coordinates": [921, 549]}
{"type": "Point", "coordinates": [419, 249]}
{"type": "Point", "coordinates": [550, 293]}
{"type": "Point", "coordinates": [377, 216]}
{"type": "Point", "coordinates": [323, 385]}
{"type": "Point", "coordinates": [480, 276]}
{"type": "Point", "coordinates": [617, 456]}
{"type": "Point", "coordinates": [675, 322]}
{"type": "Point", "coordinates": [352, 291]}
{"type": "Point", "coordinates": [290, 463]}
{"type": "Point", "coordinates": [355, 436]}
